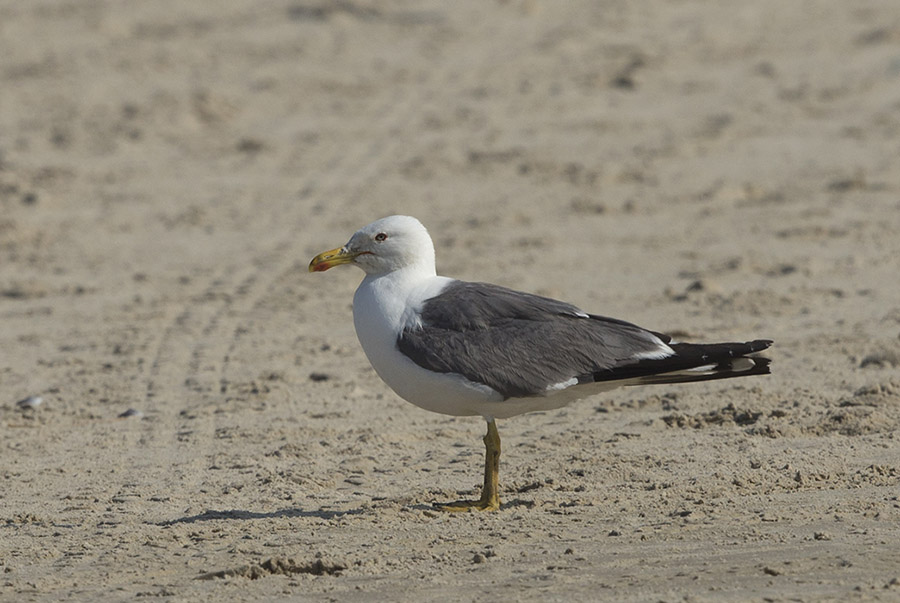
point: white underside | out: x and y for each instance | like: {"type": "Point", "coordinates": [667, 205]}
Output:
{"type": "Point", "coordinates": [384, 305]}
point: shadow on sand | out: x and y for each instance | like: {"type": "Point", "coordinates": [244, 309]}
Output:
{"type": "Point", "coordinates": [237, 514]}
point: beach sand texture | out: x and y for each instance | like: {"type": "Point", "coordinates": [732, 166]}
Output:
{"type": "Point", "coordinates": [719, 171]}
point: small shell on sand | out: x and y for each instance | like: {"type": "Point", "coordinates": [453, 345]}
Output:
{"type": "Point", "coordinates": [31, 402]}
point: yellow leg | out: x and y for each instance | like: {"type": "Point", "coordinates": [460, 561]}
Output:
{"type": "Point", "coordinates": [490, 493]}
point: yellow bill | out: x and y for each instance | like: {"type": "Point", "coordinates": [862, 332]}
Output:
{"type": "Point", "coordinates": [331, 258]}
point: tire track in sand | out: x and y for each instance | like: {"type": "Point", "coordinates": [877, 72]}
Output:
{"type": "Point", "coordinates": [193, 356]}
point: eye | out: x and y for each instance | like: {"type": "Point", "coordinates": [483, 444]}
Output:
{"type": "Point", "coordinates": [380, 237]}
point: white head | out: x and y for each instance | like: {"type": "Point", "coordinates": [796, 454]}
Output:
{"type": "Point", "coordinates": [382, 247]}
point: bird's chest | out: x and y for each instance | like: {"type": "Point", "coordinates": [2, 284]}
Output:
{"type": "Point", "coordinates": [384, 306]}
{"type": "Point", "coordinates": [377, 318]}
{"type": "Point", "coordinates": [380, 313]}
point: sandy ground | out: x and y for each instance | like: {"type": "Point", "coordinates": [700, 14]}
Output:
{"type": "Point", "coordinates": [722, 170]}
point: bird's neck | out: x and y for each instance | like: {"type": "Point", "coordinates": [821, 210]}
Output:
{"type": "Point", "coordinates": [397, 296]}
{"type": "Point", "coordinates": [403, 278]}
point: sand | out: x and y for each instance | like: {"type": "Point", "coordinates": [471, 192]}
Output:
{"type": "Point", "coordinates": [720, 171]}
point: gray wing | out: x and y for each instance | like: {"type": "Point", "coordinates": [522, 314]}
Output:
{"type": "Point", "coordinates": [520, 344]}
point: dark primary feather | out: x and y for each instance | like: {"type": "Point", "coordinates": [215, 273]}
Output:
{"type": "Point", "coordinates": [721, 357]}
{"type": "Point", "coordinates": [519, 344]}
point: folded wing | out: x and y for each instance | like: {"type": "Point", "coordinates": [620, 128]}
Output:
{"type": "Point", "coordinates": [524, 345]}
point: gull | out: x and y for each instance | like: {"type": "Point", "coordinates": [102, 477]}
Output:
{"type": "Point", "coordinates": [476, 349]}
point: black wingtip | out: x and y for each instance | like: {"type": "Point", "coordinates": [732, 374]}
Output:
{"type": "Point", "coordinates": [720, 357]}
{"type": "Point", "coordinates": [724, 371]}
{"type": "Point", "coordinates": [761, 366]}
{"type": "Point", "coordinates": [758, 345]}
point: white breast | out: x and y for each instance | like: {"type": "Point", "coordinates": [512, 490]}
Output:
{"type": "Point", "coordinates": [382, 307]}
